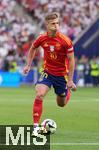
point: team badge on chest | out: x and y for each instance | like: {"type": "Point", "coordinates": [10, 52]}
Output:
{"type": "Point", "coordinates": [51, 48]}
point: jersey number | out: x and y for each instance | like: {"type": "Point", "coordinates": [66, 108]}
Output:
{"type": "Point", "coordinates": [53, 55]}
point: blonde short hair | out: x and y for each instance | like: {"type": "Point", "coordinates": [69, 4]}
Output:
{"type": "Point", "coordinates": [51, 16]}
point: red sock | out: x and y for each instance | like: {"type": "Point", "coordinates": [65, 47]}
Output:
{"type": "Point", "coordinates": [68, 96]}
{"type": "Point", "coordinates": [37, 110]}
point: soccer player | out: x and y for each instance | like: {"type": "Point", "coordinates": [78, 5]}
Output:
{"type": "Point", "coordinates": [58, 66]}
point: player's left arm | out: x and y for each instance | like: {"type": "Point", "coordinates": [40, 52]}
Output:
{"type": "Point", "coordinates": [71, 59]}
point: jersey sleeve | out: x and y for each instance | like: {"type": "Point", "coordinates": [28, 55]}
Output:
{"type": "Point", "coordinates": [70, 48]}
{"type": "Point", "coordinates": [67, 43]}
{"type": "Point", "coordinates": [37, 41]}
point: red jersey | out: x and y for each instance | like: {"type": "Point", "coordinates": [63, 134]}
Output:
{"type": "Point", "coordinates": [55, 52]}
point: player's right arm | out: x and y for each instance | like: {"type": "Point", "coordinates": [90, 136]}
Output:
{"type": "Point", "coordinates": [30, 57]}
{"type": "Point", "coordinates": [31, 54]}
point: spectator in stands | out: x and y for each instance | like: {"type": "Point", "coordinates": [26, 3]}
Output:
{"type": "Point", "coordinates": [94, 72]}
{"type": "Point", "coordinates": [13, 66]}
{"type": "Point", "coordinates": [87, 69]}
{"type": "Point", "coordinates": [1, 63]}
{"type": "Point", "coordinates": [6, 65]}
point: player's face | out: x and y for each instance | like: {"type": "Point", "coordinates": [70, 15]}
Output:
{"type": "Point", "coordinates": [53, 25]}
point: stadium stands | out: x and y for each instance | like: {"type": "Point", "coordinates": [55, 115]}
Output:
{"type": "Point", "coordinates": [13, 29]}
{"type": "Point", "coordinates": [76, 15]}
{"type": "Point", "coordinates": [16, 33]}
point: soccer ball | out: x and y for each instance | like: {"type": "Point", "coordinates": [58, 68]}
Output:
{"type": "Point", "coordinates": [50, 125]}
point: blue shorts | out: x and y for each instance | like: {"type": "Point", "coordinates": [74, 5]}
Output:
{"type": "Point", "coordinates": [58, 82]}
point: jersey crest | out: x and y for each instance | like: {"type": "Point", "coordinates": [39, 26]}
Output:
{"type": "Point", "coordinates": [52, 48]}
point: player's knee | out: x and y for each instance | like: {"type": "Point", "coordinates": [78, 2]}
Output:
{"type": "Point", "coordinates": [40, 95]}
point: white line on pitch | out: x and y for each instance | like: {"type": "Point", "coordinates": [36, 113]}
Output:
{"type": "Point", "coordinates": [66, 144]}
{"type": "Point", "coordinates": [91, 100]}
{"type": "Point", "coordinates": [75, 144]}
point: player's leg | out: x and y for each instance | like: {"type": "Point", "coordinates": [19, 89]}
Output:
{"type": "Point", "coordinates": [42, 87]}
{"type": "Point", "coordinates": [61, 90]}
{"type": "Point", "coordinates": [63, 100]}
{"type": "Point", "coordinates": [41, 91]}
{"type": "Point", "coordinates": [60, 101]}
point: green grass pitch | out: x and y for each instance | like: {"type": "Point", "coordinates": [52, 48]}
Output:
{"type": "Point", "coordinates": [78, 122]}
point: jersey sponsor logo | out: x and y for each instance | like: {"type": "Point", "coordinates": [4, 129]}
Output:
{"type": "Point", "coordinates": [46, 45]}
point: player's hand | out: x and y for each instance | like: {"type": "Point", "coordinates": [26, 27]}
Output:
{"type": "Point", "coordinates": [26, 69]}
{"type": "Point", "coordinates": [71, 85]}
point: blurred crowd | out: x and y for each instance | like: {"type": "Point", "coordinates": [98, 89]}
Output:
{"type": "Point", "coordinates": [75, 15]}
{"type": "Point", "coordinates": [17, 33]}
{"type": "Point", "coordinates": [87, 71]}
{"type": "Point", "coordinates": [14, 29]}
